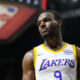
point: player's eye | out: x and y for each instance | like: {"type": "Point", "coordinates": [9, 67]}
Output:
{"type": "Point", "coordinates": [47, 19]}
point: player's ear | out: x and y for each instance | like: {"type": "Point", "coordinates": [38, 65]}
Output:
{"type": "Point", "coordinates": [60, 23]}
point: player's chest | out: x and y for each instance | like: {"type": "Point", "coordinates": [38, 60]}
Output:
{"type": "Point", "coordinates": [58, 61]}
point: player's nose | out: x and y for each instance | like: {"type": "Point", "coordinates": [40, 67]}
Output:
{"type": "Point", "coordinates": [43, 24]}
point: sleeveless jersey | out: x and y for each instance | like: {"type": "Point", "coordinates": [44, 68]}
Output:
{"type": "Point", "coordinates": [55, 65]}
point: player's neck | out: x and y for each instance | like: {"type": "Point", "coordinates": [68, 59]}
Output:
{"type": "Point", "coordinates": [54, 42]}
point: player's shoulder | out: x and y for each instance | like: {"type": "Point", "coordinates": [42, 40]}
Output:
{"type": "Point", "coordinates": [29, 56]}
{"type": "Point", "coordinates": [27, 60]}
{"type": "Point", "coordinates": [77, 49]}
{"type": "Point", "coordinates": [70, 44]}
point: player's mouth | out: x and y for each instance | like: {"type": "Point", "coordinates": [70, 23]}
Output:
{"type": "Point", "coordinates": [44, 30]}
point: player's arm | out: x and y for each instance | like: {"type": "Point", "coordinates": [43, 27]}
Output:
{"type": "Point", "coordinates": [27, 66]}
{"type": "Point", "coordinates": [78, 65]}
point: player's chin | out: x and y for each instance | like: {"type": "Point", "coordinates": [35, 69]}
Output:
{"type": "Point", "coordinates": [44, 35]}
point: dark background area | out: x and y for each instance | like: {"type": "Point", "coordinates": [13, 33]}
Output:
{"type": "Point", "coordinates": [11, 54]}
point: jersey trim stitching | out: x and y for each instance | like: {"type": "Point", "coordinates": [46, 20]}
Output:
{"type": "Point", "coordinates": [64, 46]}
{"type": "Point", "coordinates": [35, 57]}
{"type": "Point", "coordinates": [74, 51]}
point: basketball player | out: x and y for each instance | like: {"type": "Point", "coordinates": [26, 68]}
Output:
{"type": "Point", "coordinates": [54, 59]}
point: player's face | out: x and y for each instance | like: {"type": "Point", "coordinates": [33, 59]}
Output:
{"type": "Point", "coordinates": [47, 24]}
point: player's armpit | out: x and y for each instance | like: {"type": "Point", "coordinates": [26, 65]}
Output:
{"type": "Point", "coordinates": [27, 67]}
{"type": "Point", "coordinates": [78, 65]}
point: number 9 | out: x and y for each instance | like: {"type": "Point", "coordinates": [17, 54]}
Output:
{"type": "Point", "coordinates": [58, 74]}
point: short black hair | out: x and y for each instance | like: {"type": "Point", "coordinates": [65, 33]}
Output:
{"type": "Point", "coordinates": [56, 14]}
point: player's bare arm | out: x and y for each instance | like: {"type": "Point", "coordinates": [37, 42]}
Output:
{"type": "Point", "coordinates": [28, 67]}
{"type": "Point", "coordinates": [78, 65]}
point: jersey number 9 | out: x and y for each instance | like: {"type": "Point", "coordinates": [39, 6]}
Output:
{"type": "Point", "coordinates": [58, 74]}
